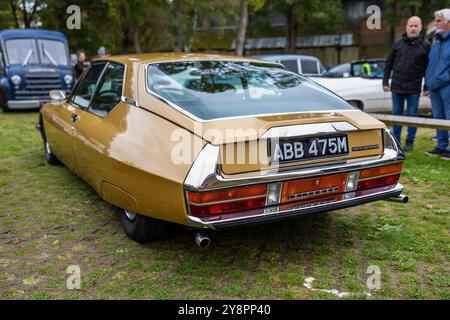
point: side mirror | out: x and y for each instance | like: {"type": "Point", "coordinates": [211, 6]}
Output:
{"type": "Point", "coordinates": [57, 95]}
{"type": "Point", "coordinates": [346, 74]}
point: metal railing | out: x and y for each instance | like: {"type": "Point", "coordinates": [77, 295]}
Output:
{"type": "Point", "coordinates": [413, 121]}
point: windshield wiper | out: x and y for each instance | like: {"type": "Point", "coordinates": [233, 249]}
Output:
{"type": "Point", "coordinates": [29, 54]}
{"type": "Point", "coordinates": [49, 56]}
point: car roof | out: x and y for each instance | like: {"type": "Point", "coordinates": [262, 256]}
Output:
{"type": "Point", "coordinates": [31, 33]}
{"type": "Point", "coordinates": [368, 60]}
{"type": "Point", "coordinates": [282, 57]}
{"type": "Point", "coordinates": [144, 58]}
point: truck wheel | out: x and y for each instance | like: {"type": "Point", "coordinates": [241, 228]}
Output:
{"type": "Point", "coordinates": [4, 101]}
{"type": "Point", "coordinates": [140, 228]}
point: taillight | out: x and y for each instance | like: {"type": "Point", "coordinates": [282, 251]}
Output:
{"type": "Point", "coordinates": [380, 171]}
{"type": "Point", "coordinates": [226, 194]}
{"type": "Point", "coordinates": [228, 207]}
{"type": "Point", "coordinates": [378, 182]}
{"type": "Point", "coordinates": [226, 201]}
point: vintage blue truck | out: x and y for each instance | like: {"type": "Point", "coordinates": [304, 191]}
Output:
{"type": "Point", "coordinates": [32, 62]}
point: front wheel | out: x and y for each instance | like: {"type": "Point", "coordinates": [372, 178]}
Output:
{"type": "Point", "coordinates": [140, 228]}
{"type": "Point", "coordinates": [49, 156]}
{"type": "Point", "coordinates": [3, 101]}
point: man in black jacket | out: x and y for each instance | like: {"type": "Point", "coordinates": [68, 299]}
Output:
{"type": "Point", "coordinates": [79, 67]}
{"type": "Point", "coordinates": [408, 60]}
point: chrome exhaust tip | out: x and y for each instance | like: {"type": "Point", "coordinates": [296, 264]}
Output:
{"type": "Point", "coordinates": [402, 198]}
{"type": "Point", "coordinates": [202, 240]}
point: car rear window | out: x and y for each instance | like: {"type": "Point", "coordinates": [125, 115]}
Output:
{"type": "Point", "coordinates": [291, 65]}
{"type": "Point", "coordinates": [220, 89]}
{"type": "Point", "coordinates": [309, 67]}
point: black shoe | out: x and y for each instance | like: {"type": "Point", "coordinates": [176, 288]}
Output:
{"type": "Point", "coordinates": [446, 155]}
{"type": "Point", "coordinates": [409, 145]}
{"type": "Point", "coordinates": [436, 152]}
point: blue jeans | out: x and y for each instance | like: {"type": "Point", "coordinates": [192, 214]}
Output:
{"type": "Point", "coordinates": [440, 105]}
{"type": "Point", "coordinates": [412, 109]}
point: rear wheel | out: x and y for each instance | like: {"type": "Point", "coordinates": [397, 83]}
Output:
{"type": "Point", "coordinates": [141, 228]}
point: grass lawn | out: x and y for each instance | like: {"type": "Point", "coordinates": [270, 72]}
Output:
{"type": "Point", "coordinates": [50, 219]}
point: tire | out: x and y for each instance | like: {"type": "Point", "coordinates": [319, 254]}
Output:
{"type": "Point", "coordinates": [4, 102]}
{"type": "Point", "coordinates": [49, 156]}
{"type": "Point", "coordinates": [140, 228]}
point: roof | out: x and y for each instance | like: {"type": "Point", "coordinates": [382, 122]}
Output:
{"type": "Point", "coordinates": [144, 58]}
{"type": "Point", "coordinates": [327, 40]}
{"type": "Point", "coordinates": [31, 33]}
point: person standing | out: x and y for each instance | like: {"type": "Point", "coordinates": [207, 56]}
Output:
{"type": "Point", "coordinates": [80, 65]}
{"type": "Point", "coordinates": [408, 60]}
{"type": "Point", "coordinates": [437, 79]}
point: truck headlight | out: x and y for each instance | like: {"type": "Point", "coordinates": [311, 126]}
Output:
{"type": "Point", "coordinates": [68, 79]}
{"type": "Point", "coordinates": [16, 79]}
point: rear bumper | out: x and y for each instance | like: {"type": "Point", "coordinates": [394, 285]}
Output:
{"type": "Point", "coordinates": [26, 104]}
{"type": "Point", "coordinates": [277, 215]}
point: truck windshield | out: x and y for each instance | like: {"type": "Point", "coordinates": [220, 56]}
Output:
{"type": "Point", "coordinates": [30, 51]}
{"type": "Point", "coordinates": [220, 89]}
{"type": "Point", "coordinates": [22, 51]}
{"type": "Point", "coordinates": [53, 52]}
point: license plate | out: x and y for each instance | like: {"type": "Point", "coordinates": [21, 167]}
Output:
{"type": "Point", "coordinates": [297, 149]}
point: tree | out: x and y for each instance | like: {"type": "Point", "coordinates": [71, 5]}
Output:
{"type": "Point", "coordinates": [255, 5]}
{"type": "Point", "coordinates": [396, 10]}
{"type": "Point", "coordinates": [24, 12]}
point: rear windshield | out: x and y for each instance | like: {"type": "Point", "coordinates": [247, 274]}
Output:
{"type": "Point", "coordinates": [220, 89]}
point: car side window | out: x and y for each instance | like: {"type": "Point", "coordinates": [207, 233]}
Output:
{"type": "Point", "coordinates": [291, 65]}
{"type": "Point", "coordinates": [88, 84]}
{"type": "Point", "coordinates": [109, 90]}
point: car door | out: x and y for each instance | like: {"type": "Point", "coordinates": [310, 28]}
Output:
{"type": "Point", "coordinates": [64, 116]}
{"type": "Point", "coordinates": [94, 131]}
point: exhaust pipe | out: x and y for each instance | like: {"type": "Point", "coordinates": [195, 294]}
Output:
{"type": "Point", "coordinates": [402, 198]}
{"type": "Point", "coordinates": [202, 240]}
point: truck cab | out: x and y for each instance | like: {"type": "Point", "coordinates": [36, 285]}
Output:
{"type": "Point", "coordinates": [32, 62]}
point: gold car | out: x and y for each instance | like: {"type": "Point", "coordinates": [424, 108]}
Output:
{"type": "Point", "coordinates": [213, 142]}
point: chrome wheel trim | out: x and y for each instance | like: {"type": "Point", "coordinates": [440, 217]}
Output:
{"type": "Point", "coordinates": [131, 216]}
{"type": "Point", "coordinates": [47, 148]}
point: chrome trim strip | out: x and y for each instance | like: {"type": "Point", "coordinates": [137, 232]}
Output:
{"type": "Point", "coordinates": [210, 179]}
{"type": "Point", "coordinates": [198, 223]}
{"type": "Point", "coordinates": [307, 130]}
{"type": "Point", "coordinates": [129, 101]}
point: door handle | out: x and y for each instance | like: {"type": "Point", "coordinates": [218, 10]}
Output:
{"type": "Point", "coordinates": [75, 117]}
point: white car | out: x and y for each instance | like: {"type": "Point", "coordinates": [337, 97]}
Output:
{"type": "Point", "coordinates": [364, 91]}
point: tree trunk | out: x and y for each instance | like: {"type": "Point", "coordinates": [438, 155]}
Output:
{"type": "Point", "coordinates": [14, 13]}
{"type": "Point", "coordinates": [242, 29]}
{"type": "Point", "coordinates": [178, 26]}
{"type": "Point", "coordinates": [26, 22]}
{"type": "Point", "coordinates": [137, 44]}
{"type": "Point", "coordinates": [290, 30]}
{"type": "Point", "coordinates": [189, 44]}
